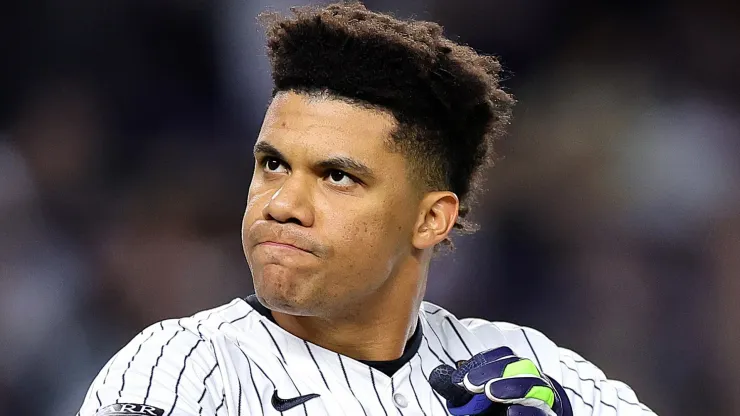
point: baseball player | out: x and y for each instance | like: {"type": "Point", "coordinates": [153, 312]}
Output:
{"type": "Point", "coordinates": [370, 153]}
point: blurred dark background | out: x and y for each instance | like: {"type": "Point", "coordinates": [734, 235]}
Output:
{"type": "Point", "coordinates": [612, 225]}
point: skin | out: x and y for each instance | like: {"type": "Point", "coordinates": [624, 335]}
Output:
{"type": "Point", "coordinates": [336, 232]}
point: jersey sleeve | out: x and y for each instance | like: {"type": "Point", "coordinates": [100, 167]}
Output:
{"type": "Point", "coordinates": [592, 393]}
{"type": "Point", "coordinates": [166, 370]}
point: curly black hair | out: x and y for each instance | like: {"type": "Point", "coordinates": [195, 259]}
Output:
{"type": "Point", "coordinates": [445, 96]}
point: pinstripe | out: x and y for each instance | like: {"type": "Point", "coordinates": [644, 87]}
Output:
{"type": "Point", "coordinates": [578, 360]}
{"type": "Point", "coordinates": [197, 329]}
{"type": "Point", "coordinates": [579, 375]}
{"type": "Point", "coordinates": [179, 377]}
{"type": "Point", "coordinates": [349, 385]}
{"type": "Point", "coordinates": [109, 367]}
{"type": "Point", "coordinates": [586, 379]}
{"type": "Point", "coordinates": [128, 366]}
{"type": "Point", "coordinates": [627, 401]}
{"type": "Point", "coordinates": [239, 398]}
{"type": "Point", "coordinates": [256, 391]}
{"type": "Point", "coordinates": [637, 403]}
{"type": "Point", "coordinates": [274, 387]}
{"type": "Point", "coordinates": [234, 320]}
{"type": "Point", "coordinates": [156, 363]}
{"type": "Point", "coordinates": [640, 405]}
{"type": "Point", "coordinates": [393, 394]}
{"type": "Point", "coordinates": [97, 392]}
{"type": "Point", "coordinates": [429, 347]}
{"type": "Point", "coordinates": [211, 314]}
{"type": "Point", "coordinates": [608, 405]}
{"type": "Point", "coordinates": [223, 400]}
{"type": "Point", "coordinates": [262, 371]}
{"type": "Point", "coordinates": [601, 394]}
{"type": "Point", "coordinates": [321, 373]}
{"type": "Point", "coordinates": [224, 309]}
{"type": "Point", "coordinates": [434, 312]}
{"type": "Point", "coordinates": [579, 396]}
{"type": "Point", "coordinates": [258, 367]}
{"type": "Point", "coordinates": [452, 360]}
{"type": "Point", "coordinates": [105, 378]}
{"type": "Point", "coordinates": [449, 321]}
{"type": "Point", "coordinates": [531, 348]}
{"type": "Point", "coordinates": [204, 388]}
{"type": "Point", "coordinates": [274, 342]}
{"type": "Point", "coordinates": [241, 317]}
{"type": "Point", "coordinates": [217, 310]}
{"type": "Point", "coordinates": [411, 368]}
{"type": "Point", "coordinates": [372, 378]}
{"type": "Point", "coordinates": [293, 382]}
{"type": "Point", "coordinates": [421, 365]}
{"type": "Point", "coordinates": [606, 397]}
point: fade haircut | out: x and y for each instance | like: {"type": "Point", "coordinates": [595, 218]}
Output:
{"type": "Point", "coordinates": [445, 97]}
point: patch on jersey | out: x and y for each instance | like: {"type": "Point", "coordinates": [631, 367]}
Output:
{"type": "Point", "coordinates": [130, 409]}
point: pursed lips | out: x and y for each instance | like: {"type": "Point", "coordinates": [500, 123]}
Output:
{"type": "Point", "coordinates": [283, 237]}
{"type": "Point", "coordinates": [283, 245]}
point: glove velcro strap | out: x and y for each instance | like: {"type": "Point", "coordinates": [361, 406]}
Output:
{"type": "Point", "coordinates": [518, 388]}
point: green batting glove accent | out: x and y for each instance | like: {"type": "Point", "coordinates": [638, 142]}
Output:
{"type": "Point", "coordinates": [523, 367]}
{"type": "Point", "coordinates": [542, 393]}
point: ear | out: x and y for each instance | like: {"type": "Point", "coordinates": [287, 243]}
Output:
{"type": "Point", "coordinates": [437, 215]}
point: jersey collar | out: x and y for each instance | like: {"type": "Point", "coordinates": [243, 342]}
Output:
{"type": "Point", "coordinates": [387, 367]}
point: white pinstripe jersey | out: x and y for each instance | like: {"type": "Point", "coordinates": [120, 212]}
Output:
{"type": "Point", "coordinates": [228, 361]}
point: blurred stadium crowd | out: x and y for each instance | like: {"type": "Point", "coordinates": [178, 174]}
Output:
{"type": "Point", "coordinates": [612, 224]}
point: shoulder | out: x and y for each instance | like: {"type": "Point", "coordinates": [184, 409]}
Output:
{"type": "Point", "coordinates": [193, 335]}
{"type": "Point", "coordinates": [171, 364]}
{"type": "Point", "coordinates": [213, 322]}
{"type": "Point", "coordinates": [589, 390]}
{"type": "Point", "coordinates": [525, 342]}
{"type": "Point", "coordinates": [193, 331]}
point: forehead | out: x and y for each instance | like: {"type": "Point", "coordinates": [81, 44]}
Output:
{"type": "Point", "coordinates": [320, 125]}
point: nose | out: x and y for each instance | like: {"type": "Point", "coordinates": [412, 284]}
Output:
{"type": "Point", "coordinates": [291, 203]}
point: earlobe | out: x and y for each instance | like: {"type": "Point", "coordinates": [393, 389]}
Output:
{"type": "Point", "coordinates": [437, 216]}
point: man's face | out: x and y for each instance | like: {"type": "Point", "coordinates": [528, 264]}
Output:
{"type": "Point", "coordinates": [331, 211]}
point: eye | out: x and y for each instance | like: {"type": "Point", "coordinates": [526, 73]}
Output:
{"type": "Point", "coordinates": [339, 178]}
{"type": "Point", "coordinates": [272, 165]}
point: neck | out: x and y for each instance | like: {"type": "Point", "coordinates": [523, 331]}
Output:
{"type": "Point", "coordinates": [374, 329]}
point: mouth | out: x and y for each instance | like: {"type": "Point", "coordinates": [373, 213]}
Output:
{"type": "Point", "coordinates": [284, 246]}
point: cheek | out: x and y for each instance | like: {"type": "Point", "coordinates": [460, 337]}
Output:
{"type": "Point", "coordinates": [366, 235]}
{"type": "Point", "coordinates": [351, 228]}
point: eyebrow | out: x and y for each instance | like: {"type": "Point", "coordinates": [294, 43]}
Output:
{"type": "Point", "coordinates": [268, 150]}
{"type": "Point", "coordinates": [343, 163]}
{"type": "Point", "coordinates": [348, 165]}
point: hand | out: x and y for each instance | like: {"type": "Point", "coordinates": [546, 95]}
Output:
{"type": "Point", "coordinates": [514, 385]}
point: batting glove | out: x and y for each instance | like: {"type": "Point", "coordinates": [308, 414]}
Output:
{"type": "Point", "coordinates": [514, 385]}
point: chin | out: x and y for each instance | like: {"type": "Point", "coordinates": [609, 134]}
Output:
{"type": "Point", "coordinates": [296, 295]}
